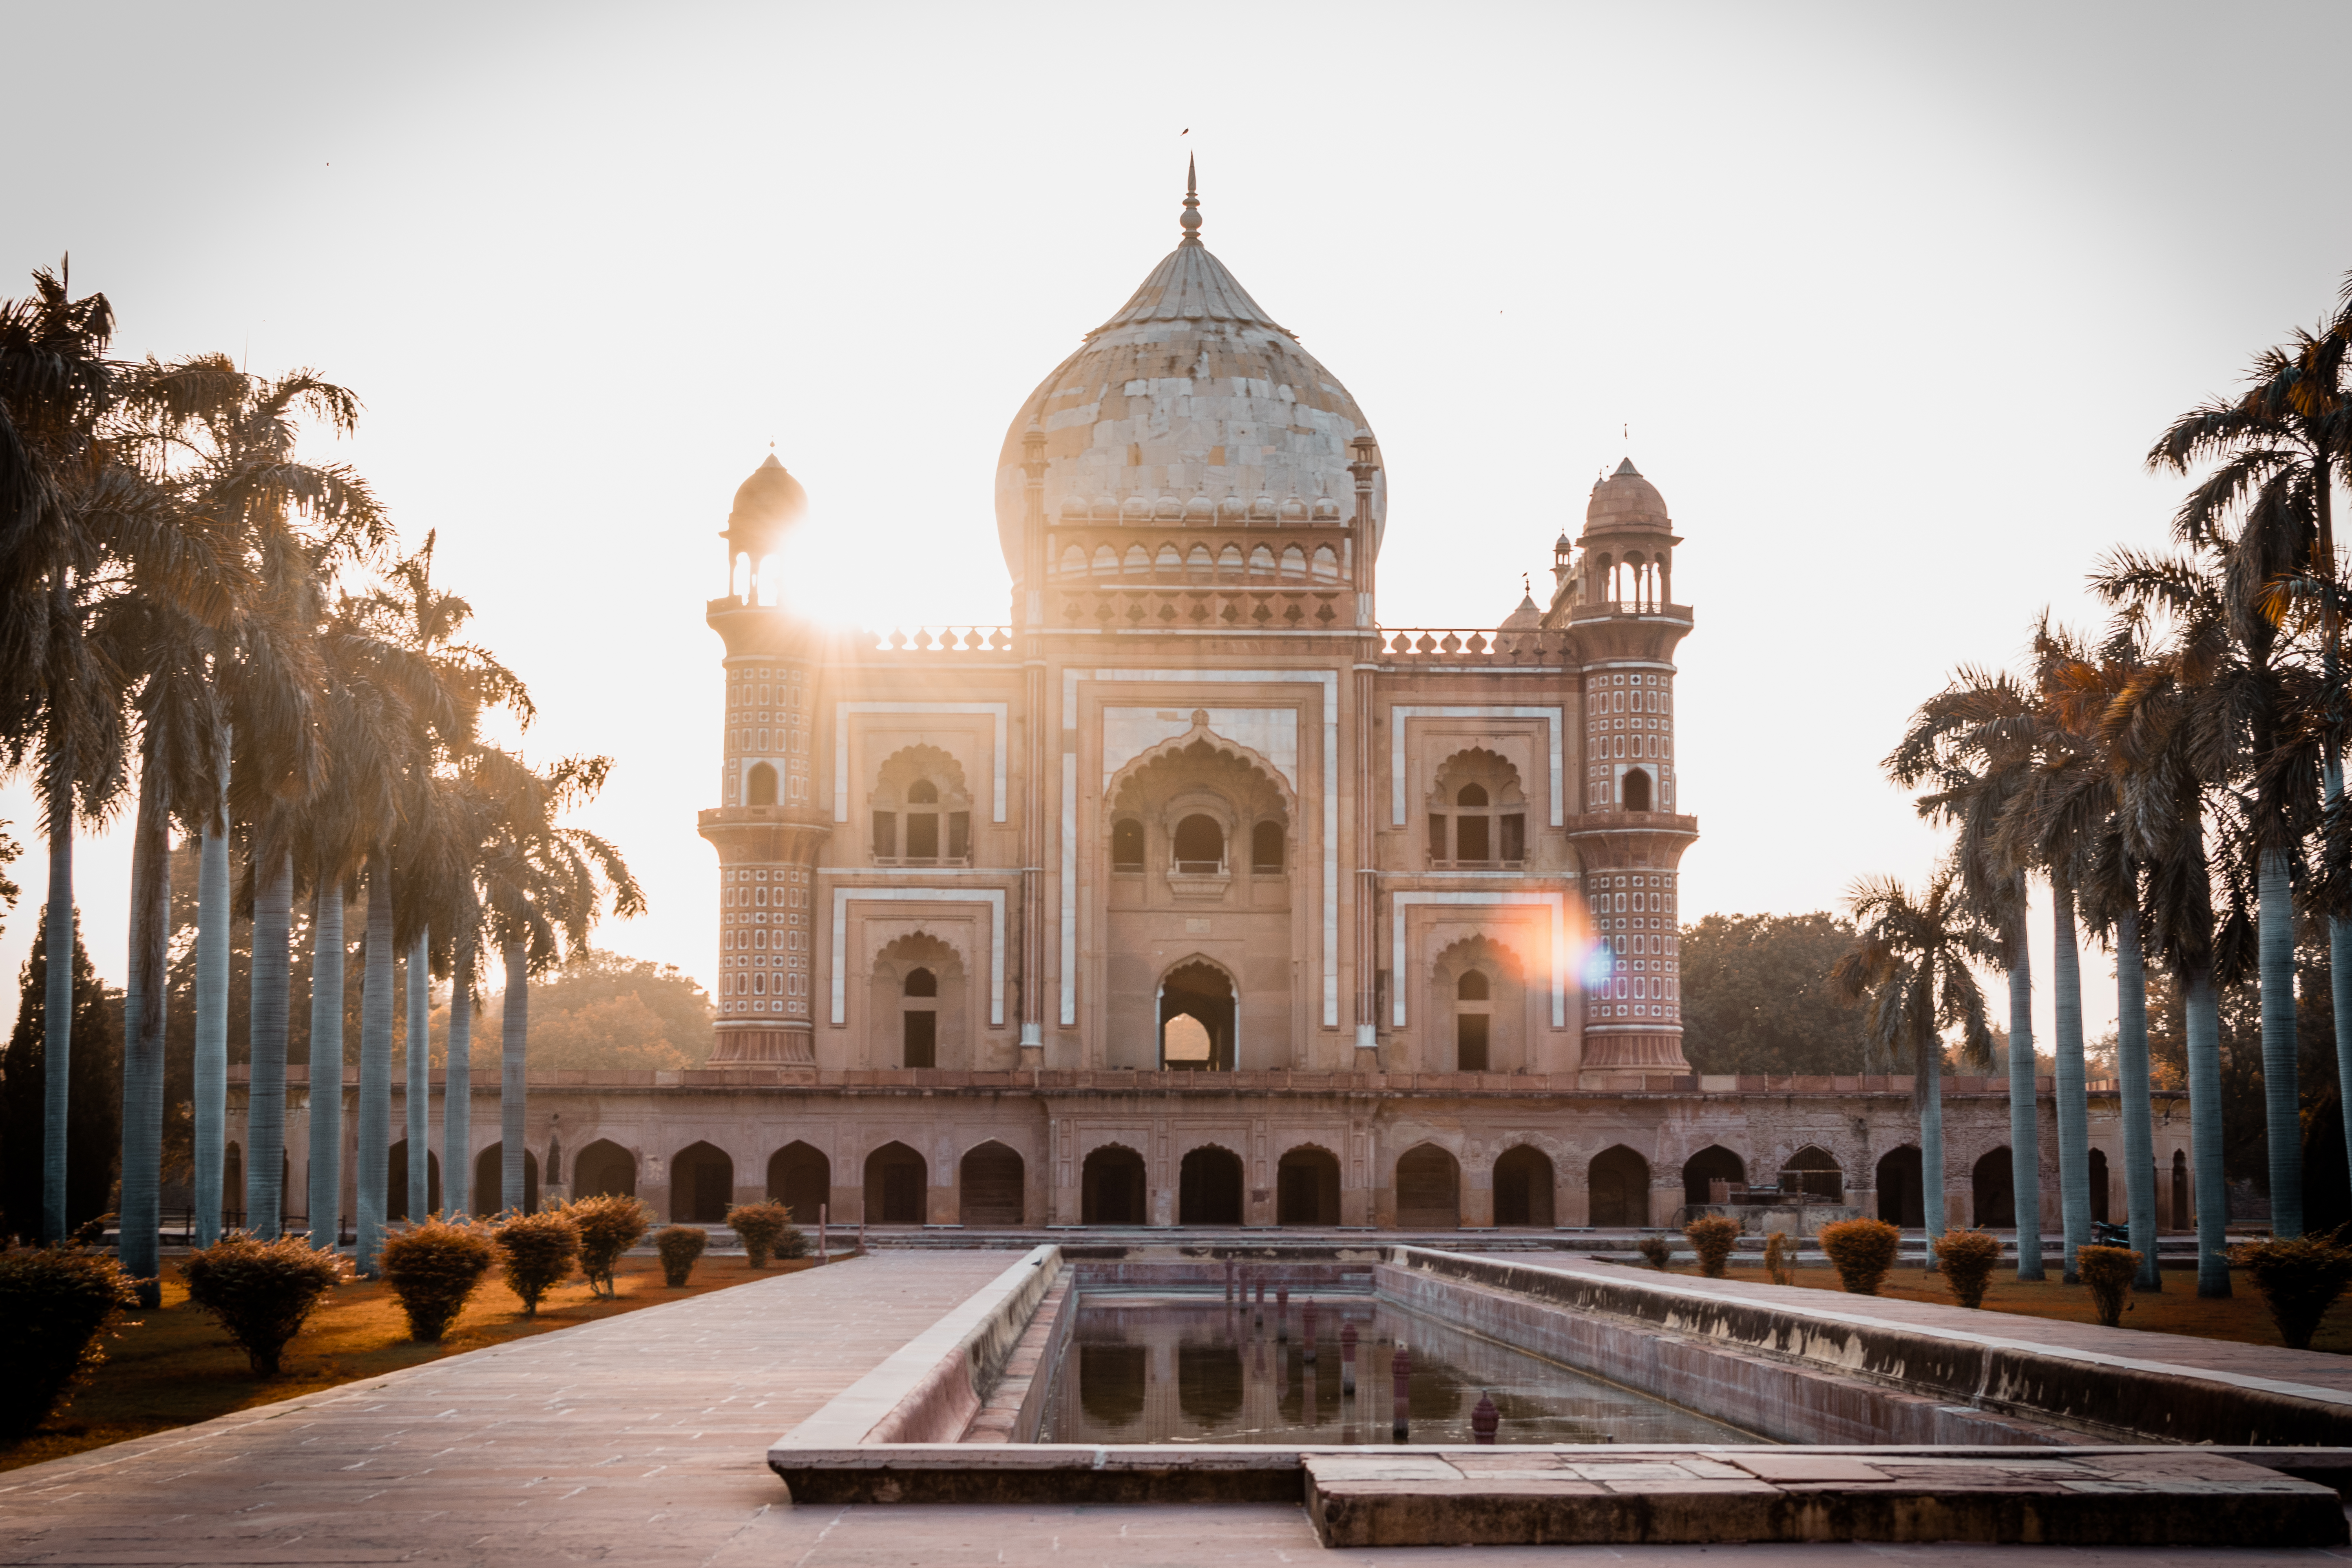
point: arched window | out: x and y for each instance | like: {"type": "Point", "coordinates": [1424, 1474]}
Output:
{"type": "Point", "coordinates": [1126, 844]}
{"type": "Point", "coordinates": [1266, 846]}
{"type": "Point", "coordinates": [1199, 845]}
{"type": "Point", "coordinates": [1472, 794]}
{"type": "Point", "coordinates": [1473, 1021]}
{"type": "Point", "coordinates": [922, 826]}
{"type": "Point", "coordinates": [1637, 790]}
{"type": "Point", "coordinates": [760, 790]}
{"type": "Point", "coordinates": [1473, 987]}
{"type": "Point", "coordinates": [920, 1019]}
{"type": "Point", "coordinates": [1480, 821]}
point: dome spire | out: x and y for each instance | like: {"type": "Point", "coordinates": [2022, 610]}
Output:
{"type": "Point", "coordinates": [1192, 218]}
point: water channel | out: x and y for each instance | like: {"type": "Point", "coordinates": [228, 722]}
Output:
{"type": "Point", "coordinates": [1181, 1369]}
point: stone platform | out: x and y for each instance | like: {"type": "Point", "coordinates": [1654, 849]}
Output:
{"type": "Point", "coordinates": [2183, 1497]}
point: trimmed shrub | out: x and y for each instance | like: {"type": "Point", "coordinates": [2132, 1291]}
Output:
{"type": "Point", "coordinates": [679, 1245]}
{"type": "Point", "coordinates": [609, 1226]}
{"type": "Point", "coordinates": [2300, 1279]}
{"type": "Point", "coordinates": [1657, 1249]}
{"type": "Point", "coordinates": [91, 1232]}
{"type": "Point", "coordinates": [1968, 1259]}
{"type": "Point", "coordinates": [263, 1291]}
{"type": "Point", "coordinates": [1862, 1250]}
{"type": "Point", "coordinates": [59, 1303]}
{"type": "Point", "coordinates": [2108, 1271]}
{"type": "Point", "coordinates": [1712, 1238]}
{"type": "Point", "coordinates": [1779, 1258]}
{"type": "Point", "coordinates": [538, 1250]}
{"type": "Point", "coordinates": [766, 1228]}
{"type": "Point", "coordinates": [432, 1270]}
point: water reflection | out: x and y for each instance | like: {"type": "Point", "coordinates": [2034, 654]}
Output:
{"type": "Point", "coordinates": [1184, 1370]}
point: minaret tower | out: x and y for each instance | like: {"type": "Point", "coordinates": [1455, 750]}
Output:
{"type": "Point", "coordinates": [1618, 600]}
{"type": "Point", "coordinates": [769, 829]}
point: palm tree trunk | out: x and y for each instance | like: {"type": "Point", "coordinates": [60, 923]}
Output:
{"type": "Point", "coordinates": [514, 1038]}
{"type": "Point", "coordinates": [2202, 1029]}
{"type": "Point", "coordinates": [2131, 1066]}
{"type": "Point", "coordinates": [419, 1100]}
{"type": "Point", "coordinates": [265, 1113]}
{"type": "Point", "coordinates": [2074, 1106]}
{"type": "Point", "coordinates": [56, 1024]}
{"type": "Point", "coordinates": [2024, 1107]}
{"type": "Point", "coordinates": [326, 1183]}
{"type": "Point", "coordinates": [374, 1151]}
{"type": "Point", "coordinates": [1929, 1061]}
{"type": "Point", "coordinates": [458, 1086]}
{"type": "Point", "coordinates": [211, 1087]}
{"type": "Point", "coordinates": [143, 1038]}
{"type": "Point", "coordinates": [2281, 1105]}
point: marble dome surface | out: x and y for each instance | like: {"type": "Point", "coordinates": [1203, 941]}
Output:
{"type": "Point", "coordinates": [1190, 390]}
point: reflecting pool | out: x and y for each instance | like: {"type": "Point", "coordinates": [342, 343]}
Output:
{"type": "Point", "coordinates": [1177, 1369]}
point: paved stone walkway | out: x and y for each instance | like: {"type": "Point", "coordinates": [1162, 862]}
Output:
{"type": "Point", "coordinates": [641, 1440]}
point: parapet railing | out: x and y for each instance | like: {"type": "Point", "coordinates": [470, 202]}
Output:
{"type": "Point", "coordinates": [936, 640]}
{"type": "Point", "coordinates": [1444, 645]}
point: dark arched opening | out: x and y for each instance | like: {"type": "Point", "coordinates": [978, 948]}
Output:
{"type": "Point", "coordinates": [701, 1185]}
{"type": "Point", "coordinates": [2179, 1190]}
{"type": "Point", "coordinates": [490, 1180]}
{"type": "Point", "coordinates": [1203, 993]}
{"type": "Point", "coordinates": [233, 1186]}
{"type": "Point", "coordinates": [1711, 1164]}
{"type": "Point", "coordinates": [1209, 1187]}
{"type": "Point", "coordinates": [1428, 1189]}
{"type": "Point", "coordinates": [605, 1169]}
{"type": "Point", "coordinates": [1200, 847]}
{"type": "Point", "coordinates": [800, 1177]}
{"type": "Point", "coordinates": [1306, 1187]}
{"type": "Point", "coordinates": [759, 788]}
{"type": "Point", "coordinates": [395, 1194]}
{"type": "Point", "coordinates": [1637, 790]}
{"type": "Point", "coordinates": [1266, 846]}
{"type": "Point", "coordinates": [1523, 1182]}
{"type": "Point", "coordinates": [1815, 1173]}
{"type": "Point", "coordinates": [1110, 1187]}
{"type": "Point", "coordinates": [989, 1184]}
{"type": "Point", "coordinates": [2099, 1185]}
{"type": "Point", "coordinates": [919, 1022]}
{"type": "Point", "coordinates": [1618, 1183]}
{"type": "Point", "coordinates": [895, 1180]}
{"type": "Point", "coordinates": [1992, 1190]}
{"type": "Point", "coordinates": [1902, 1198]}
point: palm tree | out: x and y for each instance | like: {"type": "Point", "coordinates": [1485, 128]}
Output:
{"type": "Point", "coordinates": [545, 887]}
{"type": "Point", "coordinates": [60, 713]}
{"type": "Point", "coordinates": [1972, 742]}
{"type": "Point", "coordinates": [2170, 734]}
{"type": "Point", "coordinates": [1911, 961]}
{"type": "Point", "coordinates": [2275, 452]}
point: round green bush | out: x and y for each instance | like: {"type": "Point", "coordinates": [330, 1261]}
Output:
{"type": "Point", "coordinates": [432, 1270]}
{"type": "Point", "coordinates": [679, 1245]}
{"type": "Point", "coordinates": [2300, 1279]}
{"type": "Point", "coordinates": [609, 1226]}
{"type": "Point", "coordinates": [2108, 1271]}
{"type": "Point", "coordinates": [1657, 1249]}
{"type": "Point", "coordinates": [1862, 1250]}
{"type": "Point", "coordinates": [1712, 1236]}
{"type": "Point", "coordinates": [1968, 1259]}
{"type": "Point", "coordinates": [766, 1228]}
{"type": "Point", "coordinates": [263, 1291]}
{"type": "Point", "coordinates": [59, 1303]}
{"type": "Point", "coordinates": [538, 1250]}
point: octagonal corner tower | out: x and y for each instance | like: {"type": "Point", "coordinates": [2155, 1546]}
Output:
{"type": "Point", "coordinates": [1189, 390]}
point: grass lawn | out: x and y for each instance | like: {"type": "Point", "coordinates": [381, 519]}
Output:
{"type": "Point", "coordinates": [177, 1366]}
{"type": "Point", "coordinates": [2176, 1310]}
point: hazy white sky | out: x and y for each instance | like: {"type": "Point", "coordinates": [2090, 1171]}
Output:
{"type": "Point", "coordinates": [1894, 298]}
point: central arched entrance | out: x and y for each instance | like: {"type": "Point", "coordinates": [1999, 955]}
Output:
{"type": "Point", "coordinates": [1428, 1190]}
{"type": "Point", "coordinates": [1209, 1187]}
{"type": "Point", "coordinates": [1992, 1189]}
{"type": "Point", "coordinates": [605, 1169]}
{"type": "Point", "coordinates": [800, 1177]}
{"type": "Point", "coordinates": [896, 1178]}
{"type": "Point", "coordinates": [1306, 1187]}
{"type": "Point", "coordinates": [1902, 1197]}
{"type": "Point", "coordinates": [1110, 1187]}
{"type": "Point", "coordinates": [988, 1187]}
{"type": "Point", "coordinates": [701, 1185]}
{"type": "Point", "coordinates": [1196, 1019]}
{"type": "Point", "coordinates": [1711, 1164]}
{"type": "Point", "coordinates": [1523, 1182]}
{"type": "Point", "coordinates": [1619, 1182]}
{"type": "Point", "coordinates": [395, 1194]}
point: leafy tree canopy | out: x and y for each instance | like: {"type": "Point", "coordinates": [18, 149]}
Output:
{"type": "Point", "coordinates": [1756, 996]}
{"type": "Point", "coordinates": [601, 1012]}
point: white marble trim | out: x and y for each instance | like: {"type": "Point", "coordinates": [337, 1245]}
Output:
{"type": "Point", "coordinates": [1399, 713]}
{"type": "Point", "coordinates": [1556, 902]}
{"type": "Point", "coordinates": [842, 711]}
{"type": "Point", "coordinates": [993, 896]}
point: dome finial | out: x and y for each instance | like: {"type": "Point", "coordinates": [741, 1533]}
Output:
{"type": "Point", "coordinates": [1192, 218]}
